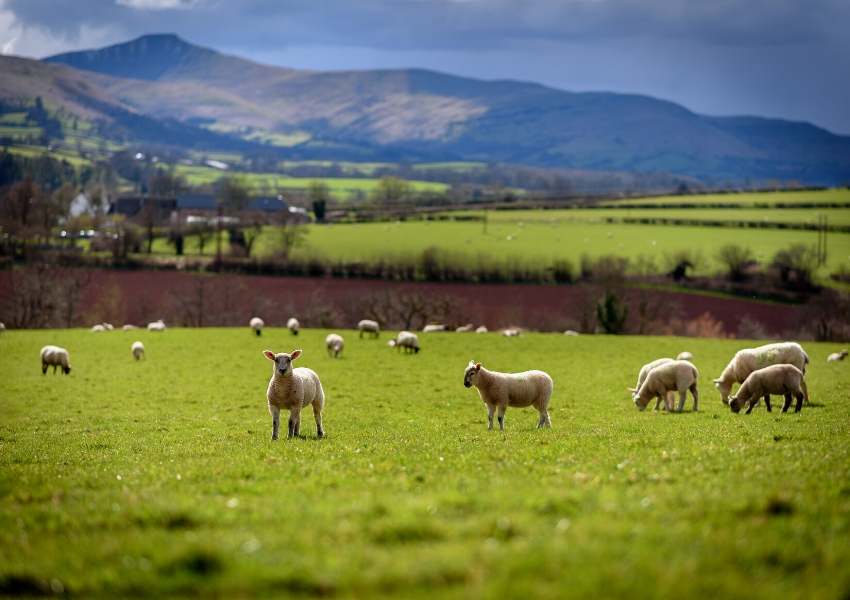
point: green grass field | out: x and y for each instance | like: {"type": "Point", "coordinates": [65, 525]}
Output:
{"type": "Point", "coordinates": [841, 195]}
{"type": "Point", "coordinates": [158, 477]}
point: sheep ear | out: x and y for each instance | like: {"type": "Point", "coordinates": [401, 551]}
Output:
{"type": "Point", "coordinates": [718, 380]}
{"type": "Point", "coordinates": [477, 366]}
{"type": "Point", "coordinates": [268, 354]}
{"type": "Point", "coordinates": [631, 390]}
{"type": "Point", "coordinates": [295, 354]}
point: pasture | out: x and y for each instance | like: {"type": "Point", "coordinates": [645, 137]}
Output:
{"type": "Point", "coordinates": [158, 477]}
{"type": "Point", "coordinates": [833, 195]}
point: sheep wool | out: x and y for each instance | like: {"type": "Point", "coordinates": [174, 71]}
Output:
{"type": "Point", "coordinates": [834, 357]}
{"type": "Point", "coordinates": [406, 340]}
{"type": "Point", "coordinates": [369, 327]}
{"type": "Point", "coordinates": [334, 344]}
{"type": "Point", "coordinates": [54, 356]}
{"type": "Point", "coordinates": [293, 325]}
{"type": "Point", "coordinates": [783, 380]}
{"type": "Point", "coordinates": [676, 375]}
{"type": "Point", "coordinates": [293, 389]}
{"type": "Point", "coordinates": [751, 359]}
{"type": "Point", "coordinates": [257, 324]}
{"type": "Point", "coordinates": [500, 390]}
{"type": "Point", "coordinates": [644, 371]}
{"type": "Point", "coordinates": [137, 350]}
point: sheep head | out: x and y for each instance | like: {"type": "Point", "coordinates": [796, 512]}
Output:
{"type": "Point", "coordinates": [282, 361]}
{"type": "Point", "coordinates": [470, 374]}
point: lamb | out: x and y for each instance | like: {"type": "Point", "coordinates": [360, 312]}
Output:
{"type": "Point", "coordinates": [156, 325]}
{"type": "Point", "coordinates": [676, 375]}
{"type": "Point", "coordinates": [433, 327]}
{"type": "Point", "coordinates": [293, 389]}
{"type": "Point", "coordinates": [465, 328]}
{"type": "Point", "coordinates": [54, 356]}
{"type": "Point", "coordinates": [407, 340]}
{"type": "Point", "coordinates": [334, 344]}
{"type": "Point", "coordinates": [500, 390]}
{"type": "Point", "coordinates": [257, 324]}
{"type": "Point", "coordinates": [785, 380]}
{"type": "Point", "coordinates": [138, 350]}
{"type": "Point", "coordinates": [750, 359]}
{"type": "Point", "coordinates": [644, 371]}
{"type": "Point", "coordinates": [834, 357]}
{"type": "Point", "coordinates": [369, 326]}
{"type": "Point", "coordinates": [108, 326]}
{"type": "Point", "coordinates": [571, 332]}
{"type": "Point", "coordinates": [293, 325]}
{"type": "Point", "coordinates": [129, 327]}
{"type": "Point", "coordinates": [99, 328]}
{"type": "Point", "coordinates": [481, 329]}
{"type": "Point", "coordinates": [2, 327]}
{"type": "Point", "coordinates": [510, 332]}
{"type": "Point", "coordinates": [685, 356]}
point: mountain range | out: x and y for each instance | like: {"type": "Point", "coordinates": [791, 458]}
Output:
{"type": "Point", "coordinates": [163, 87]}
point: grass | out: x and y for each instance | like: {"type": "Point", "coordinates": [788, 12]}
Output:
{"type": "Point", "coordinates": [158, 478]}
{"type": "Point", "coordinates": [841, 195]}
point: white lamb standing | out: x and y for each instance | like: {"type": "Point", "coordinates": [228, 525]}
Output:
{"type": "Point", "coordinates": [500, 390]}
{"type": "Point", "coordinates": [99, 328]}
{"type": "Point", "coordinates": [433, 328]}
{"type": "Point", "coordinates": [156, 325]}
{"type": "Point", "coordinates": [369, 326]}
{"type": "Point", "coordinates": [783, 380]}
{"type": "Point", "coordinates": [293, 389]}
{"type": "Point", "coordinates": [834, 357]}
{"type": "Point", "coordinates": [751, 359]}
{"type": "Point", "coordinates": [676, 375]}
{"type": "Point", "coordinates": [685, 356]}
{"type": "Point", "coordinates": [108, 326]}
{"type": "Point", "coordinates": [465, 328]}
{"type": "Point", "coordinates": [138, 350]}
{"type": "Point", "coordinates": [406, 340]}
{"type": "Point", "coordinates": [570, 332]}
{"type": "Point", "coordinates": [481, 329]}
{"type": "Point", "coordinates": [257, 324]}
{"type": "Point", "coordinates": [54, 356]}
{"type": "Point", "coordinates": [293, 325]}
{"type": "Point", "coordinates": [644, 371]}
{"type": "Point", "coordinates": [334, 343]}
{"type": "Point", "coordinates": [510, 332]}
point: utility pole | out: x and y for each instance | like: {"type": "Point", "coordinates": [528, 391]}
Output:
{"type": "Point", "coordinates": [218, 237]}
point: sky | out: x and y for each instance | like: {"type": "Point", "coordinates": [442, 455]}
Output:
{"type": "Point", "coordinates": [776, 58]}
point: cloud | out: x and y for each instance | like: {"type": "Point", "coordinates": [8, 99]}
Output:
{"type": "Point", "coordinates": [157, 4]}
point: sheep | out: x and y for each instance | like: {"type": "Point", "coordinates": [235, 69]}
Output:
{"type": "Point", "coordinates": [433, 328]}
{"type": "Point", "coordinates": [685, 356]}
{"type": "Point", "coordinates": [481, 329]}
{"type": "Point", "coordinates": [99, 328]}
{"type": "Point", "coordinates": [138, 350]}
{"type": "Point", "coordinates": [54, 356]}
{"type": "Point", "coordinates": [129, 327]}
{"type": "Point", "coordinates": [500, 390]}
{"type": "Point", "coordinates": [369, 326]}
{"type": "Point", "coordinates": [783, 379]}
{"type": "Point", "coordinates": [644, 371]}
{"type": "Point", "coordinates": [293, 389]}
{"type": "Point", "coordinates": [570, 332]}
{"type": "Point", "coordinates": [108, 326]}
{"type": "Point", "coordinates": [2, 327]}
{"type": "Point", "coordinates": [676, 375]}
{"type": "Point", "coordinates": [407, 340]}
{"type": "Point", "coordinates": [293, 325]}
{"type": "Point", "coordinates": [510, 332]}
{"type": "Point", "coordinates": [156, 325]}
{"type": "Point", "coordinates": [334, 344]}
{"type": "Point", "coordinates": [465, 328]}
{"type": "Point", "coordinates": [749, 359]}
{"type": "Point", "coordinates": [834, 357]}
{"type": "Point", "coordinates": [257, 324]}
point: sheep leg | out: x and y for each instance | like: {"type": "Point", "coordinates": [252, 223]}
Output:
{"type": "Point", "coordinates": [43, 369]}
{"type": "Point", "coordinates": [787, 404]}
{"type": "Point", "coordinates": [767, 402]}
{"type": "Point", "coordinates": [805, 389]}
{"type": "Point", "coordinates": [491, 408]}
{"type": "Point", "coordinates": [682, 396]}
{"type": "Point", "coordinates": [317, 413]}
{"type": "Point", "coordinates": [695, 394]}
{"type": "Point", "coordinates": [501, 417]}
{"type": "Point", "coordinates": [669, 401]}
{"type": "Point", "coordinates": [657, 403]}
{"type": "Point", "coordinates": [294, 422]}
{"type": "Point", "coordinates": [54, 369]}
{"type": "Point", "coordinates": [800, 398]}
{"type": "Point", "coordinates": [275, 411]}
{"type": "Point", "coordinates": [753, 404]}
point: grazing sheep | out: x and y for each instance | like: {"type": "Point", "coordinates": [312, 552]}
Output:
{"type": "Point", "coordinates": [108, 326]}
{"type": "Point", "coordinates": [257, 324]}
{"type": "Point", "coordinates": [293, 389]}
{"type": "Point", "coordinates": [2, 327]}
{"type": "Point", "coordinates": [334, 344]}
{"type": "Point", "coordinates": [481, 329]}
{"type": "Point", "coordinates": [685, 356]}
{"type": "Point", "coordinates": [369, 326]}
{"type": "Point", "coordinates": [138, 350]}
{"type": "Point", "coordinates": [750, 359]}
{"type": "Point", "coordinates": [510, 332]}
{"type": "Point", "coordinates": [676, 375]}
{"type": "Point", "coordinates": [129, 327]}
{"type": "Point", "coordinates": [644, 371]}
{"type": "Point", "coordinates": [433, 328]}
{"type": "Point", "coordinates": [156, 325]}
{"type": "Point", "coordinates": [293, 325]}
{"type": "Point", "coordinates": [784, 380]}
{"type": "Point", "coordinates": [570, 332]}
{"type": "Point", "coordinates": [99, 328]}
{"type": "Point", "coordinates": [54, 356]}
{"type": "Point", "coordinates": [465, 328]}
{"type": "Point", "coordinates": [834, 357]}
{"type": "Point", "coordinates": [500, 390]}
{"type": "Point", "coordinates": [407, 340]}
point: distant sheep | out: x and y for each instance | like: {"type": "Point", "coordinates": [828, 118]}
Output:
{"type": "Point", "coordinates": [481, 329]}
{"type": "Point", "coordinates": [334, 343]}
{"type": "Point", "coordinates": [138, 350]}
{"type": "Point", "coordinates": [433, 328]}
{"type": "Point", "coordinates": [644, 371]}
{"type": "Point", "coordinates": [108, 326]}
{"type": "Point", "coordinates": [257, 324]}
{"type": "Point", "coordinates": [751, 359]}
{"type": "Point", "coordinates": [783, 380]}
{"type": "Point", "coordinates": [99, 328]}
{"type": "Point", "coordinates": [570, 332]}
{"type": "Point", "coordinates": [293, 389]}
{"type": "Point", "coordinates": [293, 325]}
{"type": "Point", "coordinates": [465, 328]}
{"type": "Point", "coordinates": [129, 327]}
{"type": "Point", "coordinates": [406, 340]}
{"type": "Point", "coordinates": [156, 325]}
{"type": "Point", "coordinates": [370, 327]}
{"type": "Point", "coordinates": [510, 332]}
{"type": "Point", "coordinates": [676, 375]}
{"type": "Point", "coordinates": [500, 390]}
{"type": "Point", "coordinates": [2, 327]}
{"type": "Point", "coordinates": [54, 356]}
{"type": "Point", "coordinates": [685, 356]}
{"type": "Point", "coordinates": [834, 357]}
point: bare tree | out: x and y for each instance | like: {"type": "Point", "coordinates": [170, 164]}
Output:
{"type": "Point", "coordinates": [407, 309]}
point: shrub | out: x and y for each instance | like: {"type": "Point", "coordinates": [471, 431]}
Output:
{"type": "Point", "coordinates": [796, 265]}
{"type": "Point", "coordinates": [611, 314]}
{"type": "Point", "coordinates": [736, 259]}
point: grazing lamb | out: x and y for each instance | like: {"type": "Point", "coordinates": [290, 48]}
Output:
{"type": "Point", "coordinates": [834, 357]}
{"type": "Point", "coordinates": [433, 328]}
{"type": "Point", "coordinates": [108, 326]}
{"type": "Point", "coordinates": [783, 380]}
{"type": "Point", "coordinates": [138, 350]}
{"type": "Point", "coordinates": [481, 329]}
{"type": "Point", "coordinates": [129, 327]}
{"type": "Point", "coordinates": [500, 390]}
{"type": "Point", "coordinates": [54, 356]}
{"type": "Point", "coordinates": [99, 328]}
{"type": "Point", "coordinates": [676, 375]}
{"type": "Point", "coordinates": [293, 325]}
{"type": "Point", "coordinates": [685, 356]}
{"type": "Point", "coordinates": [510, 332]}
{"type": "Point", "coordinates": [156, 325]}
{"type": "Point", "coordinates": [465, 328]}
{"type": "Point", "coordinates": [334, 344]}
{"type": "Point", "coordinates": [406, 340]}
{"type": "Point", "coordinates": [750, 359]}
{"type": "Point", "coordinates": [570, 332]}
{"type": "Point", "coordinates": [644, 371]}
{"type": "Point", "coordinates": [369, 326]}
{"type": "Point", "coordinates": [293, 389]}
{"type": "Point", "coordinates": [257, 324]}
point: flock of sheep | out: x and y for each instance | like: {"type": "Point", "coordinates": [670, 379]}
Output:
{"type": "Point", "coordinates": [772, 369]}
